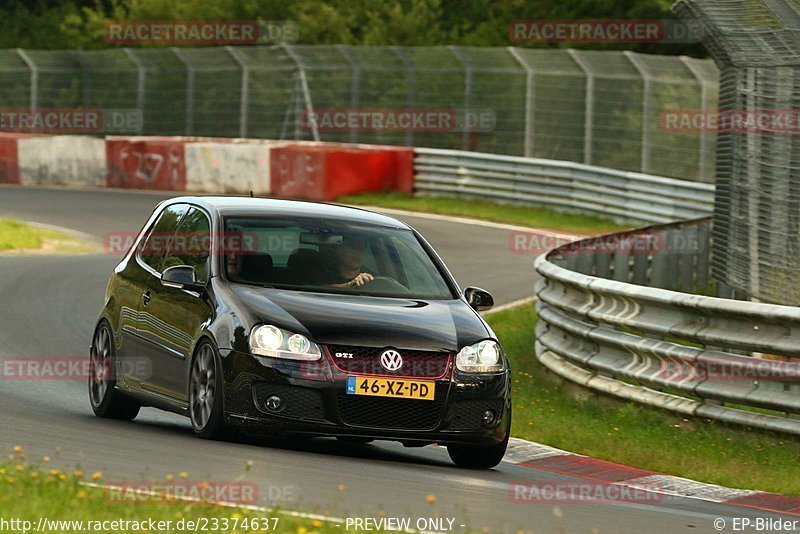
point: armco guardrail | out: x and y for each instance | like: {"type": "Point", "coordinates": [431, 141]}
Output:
{"type": "Point", "coordinates": [647, 343]}
{"type": "Point", "coordinates": [560, 185]}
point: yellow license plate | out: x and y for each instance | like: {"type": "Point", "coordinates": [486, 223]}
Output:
{"type": "Point", "coordinates": [397, 388]}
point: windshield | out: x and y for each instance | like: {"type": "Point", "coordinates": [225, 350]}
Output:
{"type": "Point", "coordinates": [333, 257]}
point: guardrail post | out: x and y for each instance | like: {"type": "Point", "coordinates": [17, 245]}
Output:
{"type": "Point", "coordinates": [304, 86]}
{"type": "Point", "coordinates": [34, 88]}
{"type": "Point", "coordinates": [529, 102]}
{"type": "Point", "coordinates": [190, 75]}
{"type": "Point", "coordinates": [141, 74]}
{"type": "Point", "coordinates": [588, 118]}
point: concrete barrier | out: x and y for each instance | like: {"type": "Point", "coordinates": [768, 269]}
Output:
{"type": "Point", "coordinates": [228, 168]}
{"type": "Point", "coordinates": [146, 163]}
{"type": "Point", "coordinates": [62, 160]}
{"type": "Point", "coordinates": [9, 158]}
{"type": "Point", "coordinates": [322, 172]}
{"type": "Point", "coordinates": [312, 170]}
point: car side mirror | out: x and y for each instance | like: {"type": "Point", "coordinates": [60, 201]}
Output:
{"type": "Point", "coordinates": [181, 277]}
{"type": "Point", "coordinates": [478, 298]}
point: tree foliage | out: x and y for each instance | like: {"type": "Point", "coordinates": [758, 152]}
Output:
{"type": "Point", "coordinates": [79, 24]}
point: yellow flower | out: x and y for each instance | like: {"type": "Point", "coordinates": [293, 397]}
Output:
{"type": "Point", "coordinates": [97, 475]}
{"type": "Point", "coordinates": [430, 499]}
{"type": "Point", "coordinates": [170, 477]}
{"type": "Point", "coordinates": [341, 487]}
{"type": "Point", "coordinates": [62, 476]}
{"type": "Point", "coordinates": [81, 494]}
{"type": "Point", "coordinates": [183, 474]}
{"type": "Point", "coordinates": [77, 473]}
{"type": "Point", "coordinates": [10, 480]}
{"type": "Point", "coordinates": [54, 472]}
{"type": "Point", "coordinates": [316, 523]}
{"type": "Point", "coordinates": [45, 459]}
{"type": "Point", "coordinates": [19, 468]}
{"type": "Point", "coordinates": [34, 474]}
{"type": "Point", "coordinates": [18, 448]}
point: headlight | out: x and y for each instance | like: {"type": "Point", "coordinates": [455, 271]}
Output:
{"type": "Point", "coordinates": [482, 357]}
{"type": "Point", "coordinates": [269, 340]}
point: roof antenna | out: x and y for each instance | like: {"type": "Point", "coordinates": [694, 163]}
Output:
{"type": "Point", "coordinates": [251, 194]}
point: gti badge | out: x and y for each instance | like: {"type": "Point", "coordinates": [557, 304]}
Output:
{"type": "Point", "coordinates": [391, 360]}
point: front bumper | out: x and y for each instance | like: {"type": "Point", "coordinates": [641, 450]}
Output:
{"type": "Point", "coordinates": [315, 403]}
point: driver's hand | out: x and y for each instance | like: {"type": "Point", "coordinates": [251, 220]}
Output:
{"type": "Point", "coordinates": [360, 280]}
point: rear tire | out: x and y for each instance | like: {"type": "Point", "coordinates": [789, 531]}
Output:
{"type": "Point", "coordinates": [478, 456]}
{"type": "Point", "coordinates": [104, 397]}
{"type": "Point", "coordinates": [205, 394]}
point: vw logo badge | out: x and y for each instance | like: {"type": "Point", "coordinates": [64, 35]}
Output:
{"type": "Point", "coordinates": [391, 360]}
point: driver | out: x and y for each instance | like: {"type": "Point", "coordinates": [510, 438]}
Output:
{"type": "Point", "coordinates": [347, 269]}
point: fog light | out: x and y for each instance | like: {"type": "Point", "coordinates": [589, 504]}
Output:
{"type": "Point", "coordinates": [489, 417]}
{"type": "Point", "coordinates": [274, 403]}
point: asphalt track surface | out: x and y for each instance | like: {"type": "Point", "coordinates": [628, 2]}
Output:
{"type": "Point", "coordinates": [48, 306]}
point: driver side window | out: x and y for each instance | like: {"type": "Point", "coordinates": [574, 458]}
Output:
{"type": "Point", "coordinates": [191, 244]}
{"type": "Point", "coordinates": [154, 246]}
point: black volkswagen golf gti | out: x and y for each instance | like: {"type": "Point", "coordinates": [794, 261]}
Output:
{"type": "Point", "coordinates": [262, 315]}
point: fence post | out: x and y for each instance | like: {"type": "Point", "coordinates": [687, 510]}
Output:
{"type": "Point", "coordinates": [588, 118]}
{"type": "Point", "coordinates": [304, 85]}
{"type": "Point", "coordinates": [189, 92]}
{"type": "Point", "coordinates": [411, 87]}
{"type": "Point", "coordinates": [86, 86]}
{"type": "Point", "coordinates": [646, 116]}
{"type": "Point", "coordinates": [529, 103]}
{"type": "Point", "coordinates": [467, 92]}
{"type": "Point", "coordinates": [34, 89]}
{"type": "Point", "coordinates": [141, 73]}
{"type": "Point", "coordinates": [244, 96]}
{"type": "Point", "coordinates": [355, 84]}
{"type": "Point", "coordinates": [702, 164]}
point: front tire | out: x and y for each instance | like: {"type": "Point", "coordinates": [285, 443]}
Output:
{"type": "Point", "coordinates": [105, 399]}
{"type": "Point", "coordinates": [205, 394]}
{"type": "Point", "coordinates": [478, 456]}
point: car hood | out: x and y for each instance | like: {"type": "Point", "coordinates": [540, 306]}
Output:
{"type": "Point", "coordinates": [336, 319]}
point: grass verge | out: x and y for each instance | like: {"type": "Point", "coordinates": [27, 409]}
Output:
{"type": "Point", "coordinates": [477, 209]}
{"type": "Point", "coordinates": [68, 505]}
{"type": "Point", "coordinates": [17, 237]}
{"type": "Point", "coordinates": [634, 435]}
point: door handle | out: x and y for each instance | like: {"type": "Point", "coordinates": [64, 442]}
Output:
{"type": "Point", "coordinates": [146, 298]}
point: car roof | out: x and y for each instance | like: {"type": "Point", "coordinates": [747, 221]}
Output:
{"type": "Point", "coordinates": [250, 207]}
